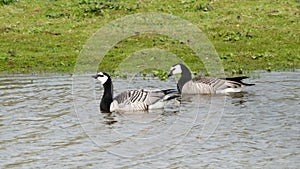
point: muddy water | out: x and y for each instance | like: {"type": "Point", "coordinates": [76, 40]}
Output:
{"type": "Point", "coordinates": [54, 121]}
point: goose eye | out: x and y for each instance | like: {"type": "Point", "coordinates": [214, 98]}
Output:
{"type": "Point", "coordinates": [101, 75]}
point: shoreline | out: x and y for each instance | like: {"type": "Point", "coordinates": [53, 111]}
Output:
{"type": "Point", "coordinates": [48, 36]}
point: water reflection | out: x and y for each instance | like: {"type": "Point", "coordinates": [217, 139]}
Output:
{"type": "Point", "coordinates": [239, 98]}
{"type": "Point", "coordinates": [109, 118]}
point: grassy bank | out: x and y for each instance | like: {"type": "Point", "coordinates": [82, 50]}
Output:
{"type": "Point", "coordinates": [47, 35]}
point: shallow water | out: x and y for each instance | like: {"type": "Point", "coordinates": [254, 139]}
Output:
{"type": "Point", "coordinates": [54, 121]}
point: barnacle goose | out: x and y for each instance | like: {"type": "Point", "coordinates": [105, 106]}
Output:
{"type": "Point", "coordinates": [132, 100]}
{"type": "Point", "coordinates": [205, 85]}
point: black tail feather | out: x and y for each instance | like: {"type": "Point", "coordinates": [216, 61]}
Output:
{"type": "Point", "coordinates": [172, 94]}
{"type": "Point", "coordinates": [239, 80]}
{"type": "Point", "coordinates": [168, 91]}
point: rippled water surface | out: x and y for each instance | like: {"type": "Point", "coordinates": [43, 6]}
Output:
{"type": "Point", "coordinates": [54, 121]}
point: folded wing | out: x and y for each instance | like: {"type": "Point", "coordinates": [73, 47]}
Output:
{"type": "Point", "coordinates": [205, 85]}
{"type": "Point", "coordinates": [139, 99]}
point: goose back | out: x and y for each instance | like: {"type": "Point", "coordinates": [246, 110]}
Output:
{"type": "Point", "coordinates": [138, 100]}
{"type": "Point", "coordinates": [205, 85]}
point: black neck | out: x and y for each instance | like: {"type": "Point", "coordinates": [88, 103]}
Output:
{"type": "Point", "coordinates": [107, 97]}
{"type": "Point", "coordinates": [185, 77]}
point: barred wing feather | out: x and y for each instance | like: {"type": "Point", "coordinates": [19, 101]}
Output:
{"type": "Point", "coordinates": [204, 85]}
{"type": "Point", "coordinates": [136, 99]}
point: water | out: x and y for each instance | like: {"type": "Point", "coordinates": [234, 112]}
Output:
{"type": "Point", "coordinates": [45, 123]}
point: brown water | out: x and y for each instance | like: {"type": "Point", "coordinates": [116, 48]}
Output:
{"type": "Point", "coordinates": [54, 121]}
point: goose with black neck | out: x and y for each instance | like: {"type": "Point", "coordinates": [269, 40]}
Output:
{"type": "Point", "coordinates": [132, 100]}
{"type": "Point", "coordinates": [205, 85]}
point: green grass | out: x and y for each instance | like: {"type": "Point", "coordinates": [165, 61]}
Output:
{"type": "Point", "coordinates": [47, 35]}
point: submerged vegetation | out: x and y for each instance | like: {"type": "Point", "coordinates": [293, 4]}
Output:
{"type": "Point", "coordinates": [47, 36]}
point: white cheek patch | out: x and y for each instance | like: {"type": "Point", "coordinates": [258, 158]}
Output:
{"type": "Point", "coordinates": [177, 69]}
{"type": "Point", "coordinates": [102, 79]}
{"type": "Point", "coordinates": [100, 73]}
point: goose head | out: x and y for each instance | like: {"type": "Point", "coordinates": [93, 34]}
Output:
{"type": "Point", "coordinates": [102, 77]}
{"type": "Point", "coordinates": [175, 69]}
{"type": "Point", "coordinates": [185, 73]}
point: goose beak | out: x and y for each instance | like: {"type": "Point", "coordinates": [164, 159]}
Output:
{"type": "Point", "coordinates": [94, 76]}
{"type": "Point", "coordinates": [170, 74]}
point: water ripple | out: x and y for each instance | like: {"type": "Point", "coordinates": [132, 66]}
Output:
{"type": "Point", "coordinates": [40, 128]}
